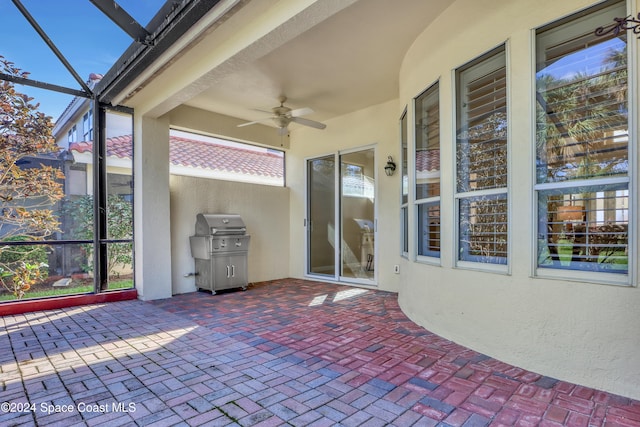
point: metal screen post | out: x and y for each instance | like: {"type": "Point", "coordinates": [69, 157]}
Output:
{"type": "Point", "coordinates": [100, 257]}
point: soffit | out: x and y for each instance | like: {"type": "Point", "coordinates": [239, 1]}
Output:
{"type": "Point", "coordinates": [346, 59]}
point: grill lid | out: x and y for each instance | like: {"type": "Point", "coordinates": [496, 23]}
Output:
{"type": "Point", "coordinates": [220, 224]}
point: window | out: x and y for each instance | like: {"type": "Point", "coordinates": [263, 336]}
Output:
{"type": "Point", "coordinates": [404, 206]}
{"type": "Point", "coordinates": [72, 135]}
{"type": "Point", "coordinates": [207, 157]}
{"type": "Point", "coordinates": [582, 145]}
{"type": "Point", "coordinates": [427, 172]}
{"type": "Point", "coordinates": [87, 126]}
{"type": "Point", "coordinates": [481, 160]}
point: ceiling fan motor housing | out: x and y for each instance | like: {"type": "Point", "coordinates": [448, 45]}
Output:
{"type": "Point", "coordinates": [282, 121]}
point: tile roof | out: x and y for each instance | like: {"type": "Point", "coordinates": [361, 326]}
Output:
{"type": "Point", "coordinates": [201, 155]}
{"type": "Point", "coordinates": [428, 160]}
{"type": "Point", "coordinates": [120, 147]}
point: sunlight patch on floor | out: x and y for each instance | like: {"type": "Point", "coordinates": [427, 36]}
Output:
{"type": "Point", "coordinates": [318, 300]}
{"type": "Point", "coordinates": [342, 295]}
{"type": "Point", "coordinates": [101, 353]}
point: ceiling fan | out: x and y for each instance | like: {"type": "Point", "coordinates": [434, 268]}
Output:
{"type": "Point", "coordinates": [282, 116]}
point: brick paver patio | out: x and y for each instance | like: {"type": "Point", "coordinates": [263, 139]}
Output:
{"type": "Point", "coordinates": [287, 352]}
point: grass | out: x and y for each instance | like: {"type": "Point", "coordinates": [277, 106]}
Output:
{"type": "Point", "coordinates": [81, 289]}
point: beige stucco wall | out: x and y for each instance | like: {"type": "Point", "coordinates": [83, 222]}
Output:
{"type": "Point", "coordinates": [151, 210]}
{"type": "Point", "coordinates": [264, 209]}
{"type": "Point", "coordinates": [581, 332]}
{"type": "Point", "coordinates": [376, 126]}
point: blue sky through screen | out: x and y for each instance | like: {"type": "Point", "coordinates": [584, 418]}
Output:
{"type": "Point", "coordinates": [89, 40]}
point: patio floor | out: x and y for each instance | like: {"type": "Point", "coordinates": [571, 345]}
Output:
{"type": "Point", "coordinates": [287, 352]}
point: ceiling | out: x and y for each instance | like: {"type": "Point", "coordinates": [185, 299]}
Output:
{"type": "Point", "coordinates": [336, 64]}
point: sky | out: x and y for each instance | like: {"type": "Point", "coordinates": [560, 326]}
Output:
{"type": "Point", "coordinates": [89, 41]}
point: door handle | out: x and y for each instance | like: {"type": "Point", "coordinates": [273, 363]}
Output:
{"type": "Point", "coordinates": [233, 271]}
{"type": "Point", "coordinates": [228, 272]}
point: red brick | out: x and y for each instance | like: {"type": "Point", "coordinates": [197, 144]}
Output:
{"type": "Point", "coordinates": [484, 403]}
{"type": "Point", "coordinates": [456, 398]}
{"type": "Point", "coordinates": [457, 417]}
{"type": "Point", "coordinates": [500, 396]}
{"type": "Point", "coordinates": [528, 420]}
{"type": "Point", "coordinates": [624, 412]}
{"type": "Point", "coordinates": [583, 392]}
{"type": "Point", "coordinates": [617, 421]}
{"type": "Point", "coordinates": [557, 414]}
{"type": "Point", "coordinates": [484, 391]}
{"type": "Point", "coordinates": [508, 416]}
{"type": "Point", "coordinates": [564, 387]}
{"type": "Point", "coordinates": [544, 395]}
{"type": "Point", "coordinates": [577, 420]}
{"type": "Point", "coordinates": [528, 405]}
{"type": "Point", "coordinates": [574, 403]}
{"type": "Point", "coordinates": [439, 378]}
{"type": "Point", "coordinates": [428, 411]}
{"type": "Point", "coordinates": [460, 384]}
{"type": "Point", "coordinates": [502, 383]}
{"type": "Point", "coordinates": [527, 390]}
{"type": "Point", "coordinates": [478, 410]}
{"type": "Point", "coordinates": [529, 377]}
{"type": "Point", "coordinates": [441, 393]}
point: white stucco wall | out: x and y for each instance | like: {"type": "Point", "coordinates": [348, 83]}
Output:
{"type": "Point", "coordinates": [585, 333]}
{"type": "Point", "coordinates": [264, 209]}
{"type": "Point", "coordinates": [377, 126]}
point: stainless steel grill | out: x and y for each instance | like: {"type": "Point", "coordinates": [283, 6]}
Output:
{"type": "Point", "coordinates": [220, 247]}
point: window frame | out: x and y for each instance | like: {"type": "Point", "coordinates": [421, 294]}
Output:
{"type": "Point", "coordinates": [569, 25]}
{"type": "Point", "coordinates": [458, 196]}
{"type": "Point", "coordinates": [431, 257]}
{"type": "Point", "coordinates": [87, 125]}
{"type": "Point", "coordinates": [404, 184]}
{"type": "Point", "coordinates": [72, 134]}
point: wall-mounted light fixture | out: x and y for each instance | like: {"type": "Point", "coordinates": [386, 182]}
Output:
{"type": "Point", "coordinates": [390, 167]}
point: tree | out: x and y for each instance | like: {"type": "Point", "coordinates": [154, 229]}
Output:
{"type": "Point", "coordinates": [119, 220]}
{"type": "Point", "coordinates": [27, 194]}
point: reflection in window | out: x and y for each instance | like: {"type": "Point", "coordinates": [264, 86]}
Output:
{"type": "Point", "coordinates": [483, 229]}
{"type": "Point", "coordinates": [429, 229]}
{"type": "Point", "coordinates": [582, 156]}
{"type": "Point", "coordinates": [481, 160]}
{"type": "Point", "coordinates": [584, 228]}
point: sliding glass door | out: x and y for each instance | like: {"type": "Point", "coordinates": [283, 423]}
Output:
{"type": "Point", "coordinates": [321, 229]}
{"type": "Point", "coordinates": [341, 190]}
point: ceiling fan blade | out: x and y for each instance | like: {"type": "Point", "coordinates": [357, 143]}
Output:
{"type": "Point", "coordinates": [300, 112]}
{"type": "Point", "coordinates": [308, 122]}
{"type": "Point", "coordinates": [254, 122]}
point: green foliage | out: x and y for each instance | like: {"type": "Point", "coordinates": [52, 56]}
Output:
{"type": "Point", "coordinates": [27, 195]}
{"type": "Point", "coordinates": [119, 226]}
{"type": "Point", "coordinates": [81, 289]}
{"type": "Point", "coordinates": [33, 254]}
